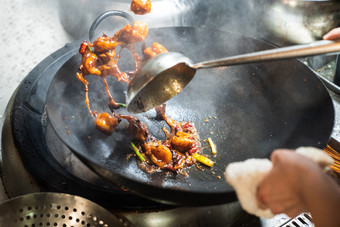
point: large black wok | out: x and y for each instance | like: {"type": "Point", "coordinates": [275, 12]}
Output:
{"type": "Point", "coordinates": [258, 107]}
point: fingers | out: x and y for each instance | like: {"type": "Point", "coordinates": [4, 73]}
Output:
{"type": "Point", "coordinates": [333, 34]}
{"type": "Point", "coordinates": [276, 204]}
{"type": "Point", "coordinates": [277, 190]}
{"type": "Point", "coordinates": [260, 198]}
{"type": "Point", "coordinates": [278, 154]}
{"type": "Point", "coordinates": [293, 212]}
{"type": "Point", "coordinates": [290, 209]}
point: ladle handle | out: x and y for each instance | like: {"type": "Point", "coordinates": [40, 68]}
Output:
{"type": "Point", "coordinates": [304, 50]}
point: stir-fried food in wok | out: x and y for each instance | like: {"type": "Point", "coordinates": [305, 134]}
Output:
{"type": "Point", "coordinates": [181, 147]}
{"type": "Point", "coordinates": [100, 57]}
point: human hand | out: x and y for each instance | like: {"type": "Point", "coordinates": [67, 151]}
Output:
{"type": "Point", "coordinates": [283, 189]}
{"type": "Point", "coordinates": [333, 34]}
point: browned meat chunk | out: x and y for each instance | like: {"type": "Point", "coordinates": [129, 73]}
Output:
{"type": "Point", "coordinates": [141, 7]}
{"type": "Point", "coordinates": [130, 35]}
{"type": "Point", "coordinates": [159, 153]}
{"type": "Point", "coordinates": [155, 49]}
{"type": "Point", "coordinates": [106, 123]}
{"type": "Point", "coordinates": [137, 129]}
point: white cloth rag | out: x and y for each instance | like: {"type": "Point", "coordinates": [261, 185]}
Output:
{"type": "Point", "coordinates": [245, 177]}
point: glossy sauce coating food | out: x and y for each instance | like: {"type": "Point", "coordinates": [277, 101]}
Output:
{"type": "Point", "coordinates": [101, 59]}
{"type": "Point", "coordinates": [106, 123]}
{"type": "Point", "coordinates": [141, 7]}
{"type": "Point", "coordinates": [155, 49]}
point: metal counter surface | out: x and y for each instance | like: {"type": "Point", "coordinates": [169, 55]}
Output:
{"type": "Point", "coordinates": [30, 31]}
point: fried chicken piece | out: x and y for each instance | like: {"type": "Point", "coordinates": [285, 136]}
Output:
{"type": "Point", "coordinates": [140, 7]}
{"type": "Point", "coordinates": [183, 141]}
{"type": "Point", "coordinates": [158, 153]}
{"type": "Point", "coordinates": [106, 123]}
{"type": "Point", "coordinates": [89, 61]}
{"type": "Point", "coordinates": [103, 44]}
{"type": "Point", "coordinates": [155, 49]}
{"type": "Point", "coordinates": [105, 47]}
{"type": "Point", "coordinates": [130, 35]}
{"type": "Point", "coordinates": [137, 129]}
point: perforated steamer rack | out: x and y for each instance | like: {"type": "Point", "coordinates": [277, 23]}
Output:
{"type": "Point", "coordinates": [55, 209]}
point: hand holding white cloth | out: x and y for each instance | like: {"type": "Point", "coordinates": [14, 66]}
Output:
{"type": "Point", "coordinates": [246, 176]}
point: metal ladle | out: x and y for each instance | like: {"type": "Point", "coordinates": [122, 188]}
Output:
{"type": "Point", "coordinates": [165, 75]}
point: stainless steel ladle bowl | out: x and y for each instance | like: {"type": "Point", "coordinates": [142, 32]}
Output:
{"type": "Point", "coordinates": [165, 75]}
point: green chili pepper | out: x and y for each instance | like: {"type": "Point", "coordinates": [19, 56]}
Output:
{"type": "Point", "coordinates": [140, 156]}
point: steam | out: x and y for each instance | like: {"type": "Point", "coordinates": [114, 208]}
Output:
{"type": "Point", "coordinates": [239, 16]}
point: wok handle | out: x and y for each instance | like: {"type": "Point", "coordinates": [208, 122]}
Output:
{"type": "Point", "coordinates": [304, 50]}
{"type": "Point", "coordinates": [106, 14]}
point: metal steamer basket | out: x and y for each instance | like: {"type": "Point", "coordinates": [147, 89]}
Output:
{"type": "Point", "coordinates": [55, 209]}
